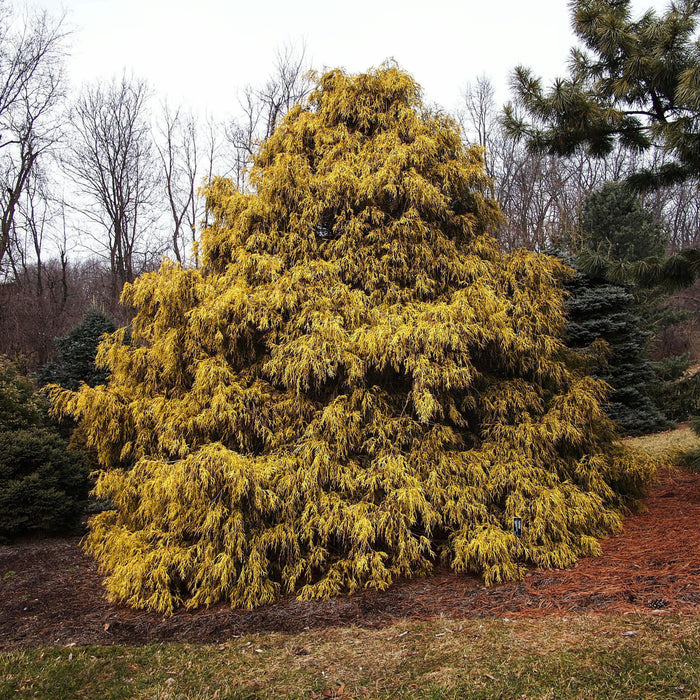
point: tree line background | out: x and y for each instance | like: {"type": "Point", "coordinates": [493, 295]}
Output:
{"type": "Point", "coordinates": [98, 187]}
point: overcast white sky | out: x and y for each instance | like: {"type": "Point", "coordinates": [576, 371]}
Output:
{"type": "Point", "coordinates": [200, 52]}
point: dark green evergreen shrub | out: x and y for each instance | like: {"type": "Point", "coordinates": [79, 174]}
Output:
{"type": "Point", "coordinates": [76, 354]}
{"type": "Point", "coordinates": [676, 390]}
{"type": "Point", "coordinates": [20, 404]}
{"type": "Point", "coordinates": [691, 458]}
{"type": "Point", "coordinates": [599, 310]}
{"type": "Point", "coordinates": [43, 483]}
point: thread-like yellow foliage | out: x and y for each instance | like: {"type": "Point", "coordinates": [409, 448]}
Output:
{"type": "Point", "coordinates": [355, 385]}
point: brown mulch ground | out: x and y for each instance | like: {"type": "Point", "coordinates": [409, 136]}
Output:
{"type": "Point", "coordinates": [51, 594]}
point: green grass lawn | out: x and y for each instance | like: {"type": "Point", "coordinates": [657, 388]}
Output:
{"type": "Point", "coordinates": [577, 657]}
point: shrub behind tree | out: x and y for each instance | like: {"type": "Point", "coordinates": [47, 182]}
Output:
{"type": "Point", "coordinates": [600, 310]}
{"type": "Point", "coordinates": [43, 483]}
{"type": "Point", "coordinates": [616, 229]}
{"type": "Point", "coordinates": [615, 222]}
{"type": "Point", "coordinates": [77, 351]}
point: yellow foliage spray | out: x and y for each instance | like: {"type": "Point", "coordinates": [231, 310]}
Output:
{"type": "Point", "coordinates": [354, 385]}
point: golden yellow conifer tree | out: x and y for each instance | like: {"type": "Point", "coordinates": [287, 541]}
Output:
{"type": "Point", "coordinates": [356, 383]}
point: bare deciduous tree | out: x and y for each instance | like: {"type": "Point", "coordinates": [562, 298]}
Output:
{"type": "Point", "coordinates": [262, 108]}
{"type": "Point", "coordinates": [479, 117]}
{"type": "Point", "coordinates": [111, 160]}
{"type": "Point", "coordinates": [189, 152]}
{"type": "Point", "coordinates": [178, 156]}
{"type": "Point", "coordinates": [31, 90]}
{"type": "Point", "coordinates": [30, 228]}
{"type": "Point", "coordinates": [214, 153]}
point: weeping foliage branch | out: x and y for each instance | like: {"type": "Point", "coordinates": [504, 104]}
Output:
{"type": "Point", "coordinates": [355, 385]}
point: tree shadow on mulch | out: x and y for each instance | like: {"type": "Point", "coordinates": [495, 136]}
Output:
{"type": "Point", "coordinates": [51, 594]}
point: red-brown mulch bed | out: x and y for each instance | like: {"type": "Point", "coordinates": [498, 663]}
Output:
{"type": "Point", "coordinates": [51, 594]}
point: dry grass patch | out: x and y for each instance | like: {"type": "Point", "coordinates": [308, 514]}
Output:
{"type": "Point", "coordinates": [668, 444]}
{"type": "Point", "coordinates": [585, 656]}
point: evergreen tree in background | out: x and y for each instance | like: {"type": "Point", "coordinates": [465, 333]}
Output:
{"type": "Point", "coordinates": [355, 384]}
{"type": "Point", "coordinates": [76, 353]}
{"type": "Point", "coordinates": [599, 310]}
{"type": "Point", "coordinates": [615, 222]}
